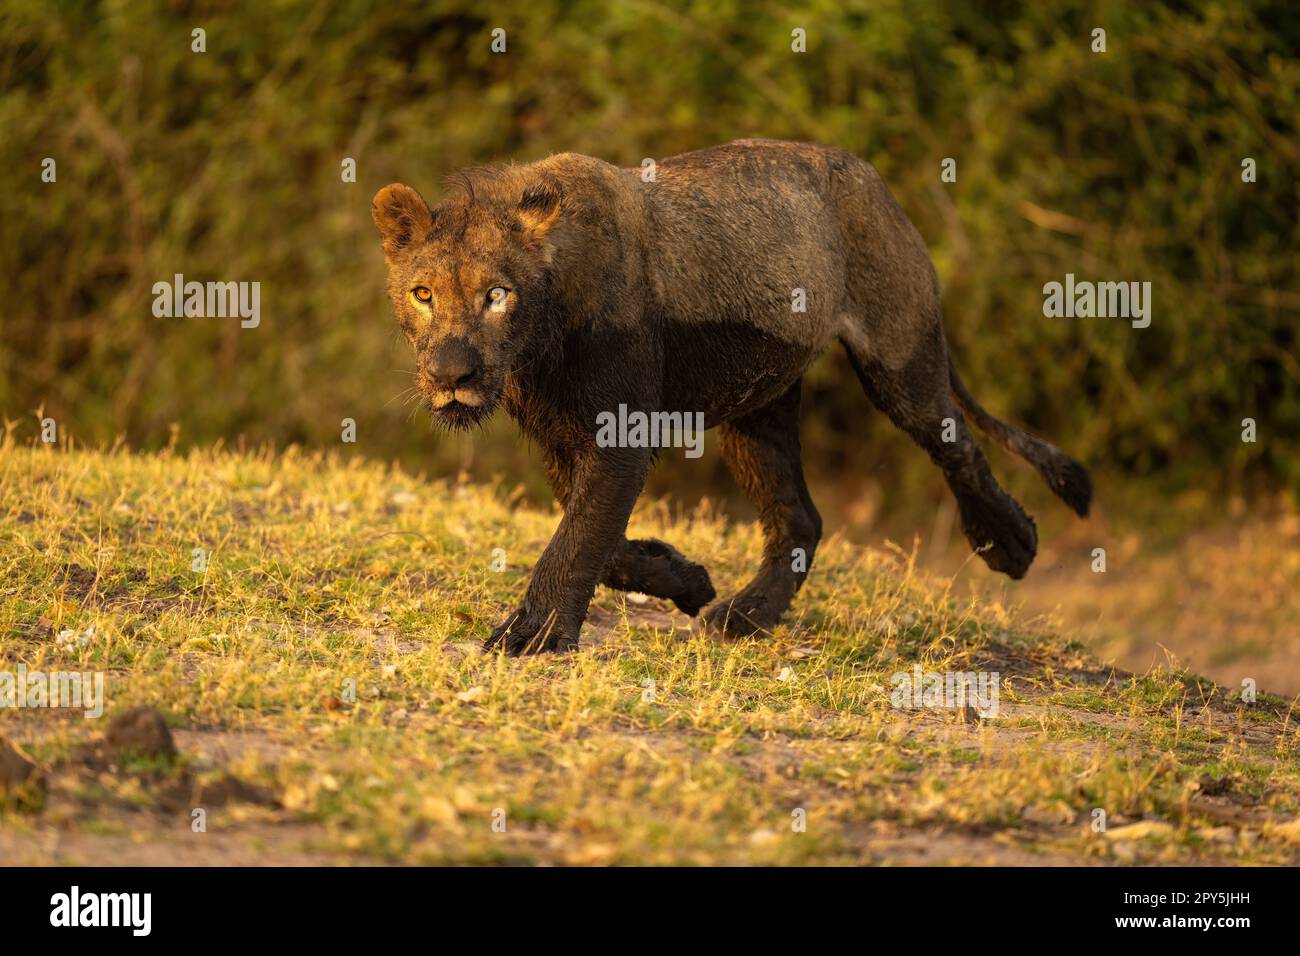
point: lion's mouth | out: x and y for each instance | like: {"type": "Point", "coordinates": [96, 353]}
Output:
{"type": "Point", "coordinates": [461, 408]}
{"type": "Point", "coordinates": [458, 416]}
{"type": "Point", "coordinates": [460, 396]}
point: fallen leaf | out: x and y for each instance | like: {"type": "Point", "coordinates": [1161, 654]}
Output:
{"type": "Point", "coordinates": [1290, 832]}
{"type": "Point", "coordinates": [1141, 830]}
{"type": "Point", "coordinates": [1057, 812]}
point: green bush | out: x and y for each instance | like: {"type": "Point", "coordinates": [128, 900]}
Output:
{"type": "Point", "coordinates": [226, 165]}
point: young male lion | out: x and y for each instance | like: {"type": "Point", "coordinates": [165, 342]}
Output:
{"type": "Point", "coordinates": [568, 287]}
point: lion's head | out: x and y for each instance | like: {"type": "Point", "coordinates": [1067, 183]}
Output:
{"type": "Point", "coordinates": [468, 281]}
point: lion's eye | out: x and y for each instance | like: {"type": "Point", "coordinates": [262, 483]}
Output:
{"type": "Point", "coordinates": [497, 297]}
{"type": "Point", "coordinates": [421, 294]}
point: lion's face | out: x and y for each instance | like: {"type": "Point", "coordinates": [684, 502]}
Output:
{"type": "Point", "coordinates": [466, 280]}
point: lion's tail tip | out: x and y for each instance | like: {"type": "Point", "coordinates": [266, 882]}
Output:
{"type": "Point", "coordinates": [1069, 481]}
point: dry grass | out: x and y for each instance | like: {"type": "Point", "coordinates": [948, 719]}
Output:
{"type": "Point", "coordinates": [1223, 600]}
{"type": "Point", "coordinates": [323, 571]}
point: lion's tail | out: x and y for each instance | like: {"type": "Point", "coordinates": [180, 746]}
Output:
{"type": "Point", "coordinates": [1068, 479]}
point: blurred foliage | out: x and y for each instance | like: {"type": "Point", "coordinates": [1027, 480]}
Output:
{"type": "Point", "coordinates": [226, 165]}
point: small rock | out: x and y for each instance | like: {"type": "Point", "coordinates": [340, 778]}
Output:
{"type": "Point", "coordinates": [1213, 788]}
{"type": "Point", "coordinates": [141, 731]}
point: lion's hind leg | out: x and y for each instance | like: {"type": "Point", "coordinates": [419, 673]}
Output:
{"type": "Point", "coordinates": [762, 451]}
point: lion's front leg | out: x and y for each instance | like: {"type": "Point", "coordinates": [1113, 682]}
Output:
{"type": "Point", "coordinates": [606, 483]}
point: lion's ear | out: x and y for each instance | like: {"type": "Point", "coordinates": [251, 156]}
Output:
{"type": "Point", "coordinates": [402, 217]}
{"type": "Point", "coordinates": [539, 209]}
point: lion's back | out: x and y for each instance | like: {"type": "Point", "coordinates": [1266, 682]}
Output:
{"type": "Point", "coordinates": [740, 231]}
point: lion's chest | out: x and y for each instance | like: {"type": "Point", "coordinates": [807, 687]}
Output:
{"type": "Point", "coordinates": [726, 369]}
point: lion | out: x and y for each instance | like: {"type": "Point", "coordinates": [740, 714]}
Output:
{"type": "Point", "coordinates": [568, 287]}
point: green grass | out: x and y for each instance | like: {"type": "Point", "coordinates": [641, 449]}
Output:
{"type": "Point", "coordinates": [324, 575]}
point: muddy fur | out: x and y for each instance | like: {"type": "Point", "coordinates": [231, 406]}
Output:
{"type": "Point", "coordinates": [676, 295]}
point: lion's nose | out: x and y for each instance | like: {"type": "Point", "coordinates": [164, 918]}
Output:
{"type": "Point", "coordinates": [455, 364]}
